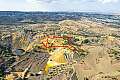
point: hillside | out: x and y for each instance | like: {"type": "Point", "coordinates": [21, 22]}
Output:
{"type": "Point", "coordinates": [67, 50]}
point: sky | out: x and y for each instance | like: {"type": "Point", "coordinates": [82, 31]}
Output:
{"type": "Point", "coordinates": [107, 6]}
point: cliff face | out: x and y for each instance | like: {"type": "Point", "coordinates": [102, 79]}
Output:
{"type": "Point", "coordinates": [20, 41]}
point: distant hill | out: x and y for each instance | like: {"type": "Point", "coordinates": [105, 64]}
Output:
{"type": "Point", "coordinates": [16, 17]}
{"type": "Point", "coordinates": [7, 17]}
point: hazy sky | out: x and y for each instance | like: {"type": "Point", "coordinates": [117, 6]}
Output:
{"type": "Point", "coordinates": [61, 5]}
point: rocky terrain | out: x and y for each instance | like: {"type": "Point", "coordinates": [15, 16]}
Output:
{"type": "Point", "coordinates": [67, 50]}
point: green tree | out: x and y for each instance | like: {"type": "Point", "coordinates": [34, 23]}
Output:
{"type": "Point", "coordinates": [1, 74]}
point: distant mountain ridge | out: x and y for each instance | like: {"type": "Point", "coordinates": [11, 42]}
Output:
{"type": "Point", "coordinates": [15, 17]}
